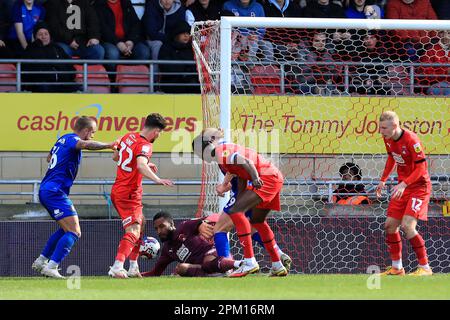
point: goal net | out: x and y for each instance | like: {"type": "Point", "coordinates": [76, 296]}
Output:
{"type": "Point", "coordinates": [307, 93]}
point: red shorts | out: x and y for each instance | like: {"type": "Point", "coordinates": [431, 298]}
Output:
{"type": "Point", "coordinates": [270, 192]}
{"type": "Point", "coordinates": [129, 206]}
{"type": "Point", "coordinates": [414, 202]}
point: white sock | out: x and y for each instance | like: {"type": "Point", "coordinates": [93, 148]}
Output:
{"type": "Point", "coordinates": [237, 263]}
{"type": "Point", "coordinates": [250, 261]}
{"type": "Point", "coordinates": [397, 264]}
{"type": "Point", "coordinates": [278, 250]}
{"type": "Point", "coordinates": [52, 265]}
{"type": "Point", "coordinates": [42, 258]}
{"type": "Point", "coordinates": [133, 264]}
{"type": "Point", "coordinates": [426, 266]}
{"type": "Point", "coordinates": [277, 265]}
{"type": "Point", "coordinates": [118, 265]}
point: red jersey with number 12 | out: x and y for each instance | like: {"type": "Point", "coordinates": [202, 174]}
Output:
{"type": "Point", "coordinates": [128, 178]}
{"type": "Point", "coordinates": [226, 152]}
{"type": "Point", "coordinates": [407, 152]}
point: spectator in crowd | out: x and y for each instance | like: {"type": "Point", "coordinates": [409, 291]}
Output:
{"type": "Point", "coordinates": [43, 48]}
{"type": "Point", "coordinates": [139, 7]}
{"type": "Point", "coordinates": [363, 9]}
{"type": "Point", "coordinates": [412, 40]}
{"type": "Point", "coordinates": [281, 39]}
{"type": "Point", "coordinates": [323, 9]}
{"type": "Point", "coordinates": [25, 15]}
{"type": "Point", "coordinates": [258, 47]}
{"type": "Point", "coordinates": [328, 9]}
{"type": "Point", "coordinates": [365, 78]}
{"type": "Point", "coordinates": [396, 81]}
{"type": "Point", "coordinates": [437, 79]}
{"type": "Point", "coordinates": [179, 47]}
{"type": "Point", "coordinates": [311, 78]}
{"type": "Point", "coordinates": [350, 193]}
{"type": "Point", "coordinates": [77, 31]}
{"type": "Point", "coordinates": [159, 20]}
{"type": "Point", "coordinates": [121, 30]}
{"type": "Point", "coordinates": [442, 8]}
{"type": "Point", "coordinates": [203, 10]}
{"type": "Point", "coordinates": [5, 51]}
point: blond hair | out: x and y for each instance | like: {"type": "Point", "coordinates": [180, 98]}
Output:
{"type": "Point", "coordinates": [389, 116]}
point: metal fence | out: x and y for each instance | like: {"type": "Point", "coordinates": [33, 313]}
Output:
{"type": "Point", "coordinates": [407, 79]}
{"type": "Point", "coordinates": [321, 188]}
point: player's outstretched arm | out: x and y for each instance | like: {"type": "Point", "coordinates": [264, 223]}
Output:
{"type": "Point", "coordinates": [144, 169]}
{"type": "Point", "coordinates": [161, 265]}
{"type": "Point", "coordinates": [249, 166]}
{"type": "Point", "coordinates": [390, 165]}
{"type": "Point", "coordinates": [94, 145]}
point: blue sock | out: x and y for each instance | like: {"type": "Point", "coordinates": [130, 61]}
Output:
{"type": "Point", "coordinates": [222, 244]}
{"type": "Point", "coordinates": [64, 246]}
{"type": "Point", "coordinates": [256, 237]}
{"type": "Point", "coordinates": [51, 243]}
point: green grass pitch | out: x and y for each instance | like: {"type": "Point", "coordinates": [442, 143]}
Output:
{"type": "Point", "coordinates": [252, 287]}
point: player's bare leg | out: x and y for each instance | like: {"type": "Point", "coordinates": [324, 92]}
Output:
{"type": "Point", "coordinates": [259, 222]}
{"type": "Point", "coordinates": [246, 200]}
{"type": "Point", "coordinates": [394, 243]}
{"type": "Point", "coordinates": [409, 225]}
{"type": "Point", "coordinates": [72, 230]}
{"type": "Point", "coordinates": [126, 245]}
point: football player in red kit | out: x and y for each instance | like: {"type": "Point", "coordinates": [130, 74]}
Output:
{"type": "Point", "coordinates": [267, 182]}
{"type": "Point", "coordinates": [133, 154]}
{"type": "Point", "coordinates": [409, 198]}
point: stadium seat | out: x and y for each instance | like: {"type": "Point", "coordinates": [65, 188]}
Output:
{"type": "Point", "coordinates": [135, 74]}
{"type": "Point", "coordinates": [7, 75]}
{"type": "Point", "coordinates": [98, 80]}
{"type": "Point", "coordinates": [265, 79]}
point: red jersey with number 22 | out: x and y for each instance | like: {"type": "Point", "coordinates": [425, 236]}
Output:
{"type": "Point", "coordinates": [407, 152]}
{"type": "Point", "coordinates": [131, 146]}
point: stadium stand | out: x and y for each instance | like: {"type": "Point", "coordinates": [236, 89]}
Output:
{"type": "Point", "coordinates": [131, 79]}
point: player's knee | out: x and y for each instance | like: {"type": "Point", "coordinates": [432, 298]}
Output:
{"type": "Point", "coordinates": [390, 228]}
{"type": "Point", "coordinates": [135, 229]}
{"type": "Point", "coordinates": [407, 228]}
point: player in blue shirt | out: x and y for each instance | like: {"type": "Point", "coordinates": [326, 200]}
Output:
{"type": "Point", "coordinates": [64, 160]}
{"type": "Point", "coordinates": [225, 224]}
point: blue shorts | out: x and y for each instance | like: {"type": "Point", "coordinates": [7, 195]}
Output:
{"type": "Point", "coordinates": [57, 203]}
{"type": "Point", "coordinates": [231, 203]}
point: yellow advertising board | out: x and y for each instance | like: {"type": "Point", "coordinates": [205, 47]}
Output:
{"type": "Point", "coordinates": [288, 124]}
{"type": "Point", "coordinates": [340, 125]}
{"type": "Point", "coordinates": [32, 122]}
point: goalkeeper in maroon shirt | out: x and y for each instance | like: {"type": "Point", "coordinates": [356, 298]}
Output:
{"type": "Point", "coordinates": [190, 245]}
{"type": "Point", "coordinates": [409, 198]}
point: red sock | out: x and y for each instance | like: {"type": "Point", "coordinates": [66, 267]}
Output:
{"type": "Point", "coordinates": [134, 255]}
{"type": "Point", "coordinates": [268, 239]}
{"type": "Point", "coordinates": [419, 248]}
{"type": "Point", "coordinates": [126, 245]}
{"type": "Point", "coordinates": [394, 242]}
{"type": "Point", "coordinates": [243, 229]}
